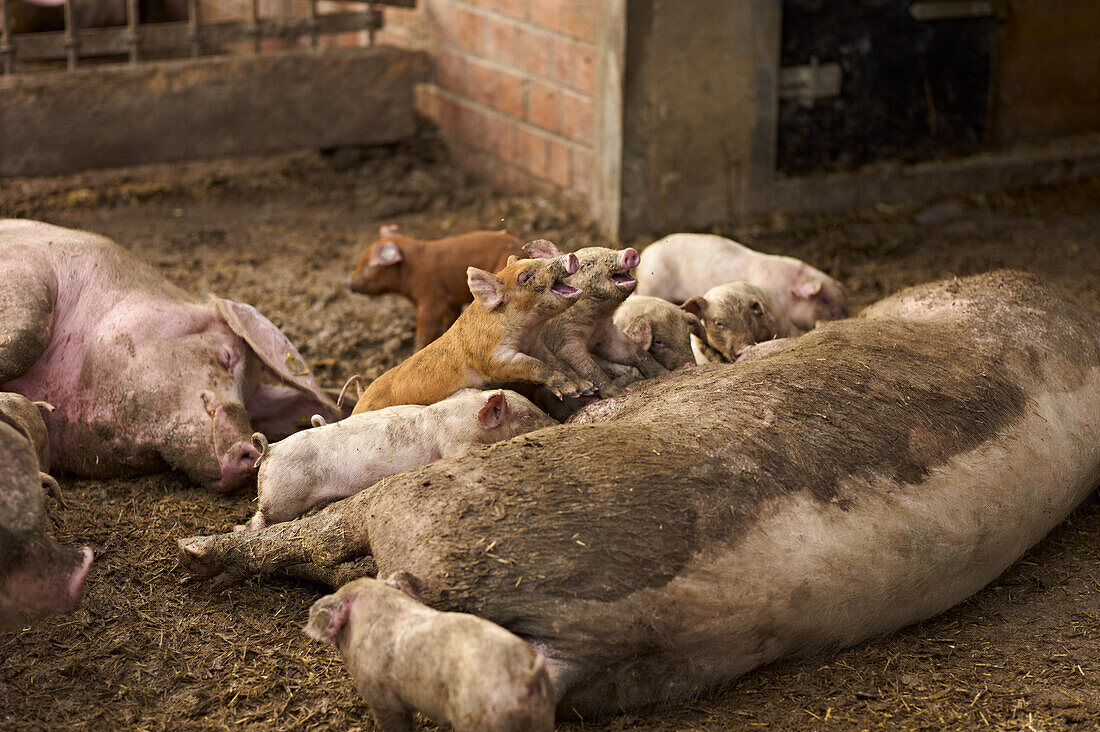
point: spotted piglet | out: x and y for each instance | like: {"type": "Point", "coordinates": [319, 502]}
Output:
{"type": "Point", "coordinates": [456, 668]}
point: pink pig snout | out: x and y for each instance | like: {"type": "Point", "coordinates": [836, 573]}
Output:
{"type": "Point", "coordinates": [75, 585]}
{"type": "Point", "coordinates": [629, 258]}
{"type": "Point", "coordinates": [237, 465]}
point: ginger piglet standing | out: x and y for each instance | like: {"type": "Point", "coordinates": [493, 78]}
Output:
{"type": "Point", "coordinates": [491, 341]}
{"type": "Point", "coordinates": [431, 273]}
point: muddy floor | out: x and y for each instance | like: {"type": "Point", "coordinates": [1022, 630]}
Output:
{"type": "Point", "coordinates": [146, 650]}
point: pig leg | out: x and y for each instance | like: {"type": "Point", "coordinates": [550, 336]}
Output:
{"type": "Point", "coordinates": [543, 354]}
{"type": "Point", "coordinates": [335, 576]}
{"type": "Point", "coordinates": [576, 355]}
{"type": "Point", "coordinates": [391, 715]}
{"type": "Point", "coordinates": [325, 539]}
{"type": "Point", "coordinates": [521, 367]}
{"type": "Point", "coordinates": [26, 318]}
{"type": "Point", "coordinates": [615, 346]}
{"type": "Point", "coordinates": [431, 321]}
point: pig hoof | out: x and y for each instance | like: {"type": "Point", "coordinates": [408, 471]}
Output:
{"type": "Point", "coordinates": [192, 557]}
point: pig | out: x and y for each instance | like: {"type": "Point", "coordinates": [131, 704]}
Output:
{"type": "Point", "coordinates": [490, 342]}
{"type": "Point", "coordinates": [867, 475]}
{"type": "Point", "coordinates": [431, 273]}
{"type": "Point", "coordinates": [38, 576]}
{"type": "Point", "coordinates": [681, 266]}
{"type": "Point", "coordinates": [659, 327]}
{"type": "Point", "coordinates": [735, 316]}
{"type": "Point", "coordinates": [586, 329]}
{"type": "Point", "coordinates": [36, 16]}
{"type": "Point", "coordinates": [144, 375]}
{"type": "Point", "coordinates": [334, 461]}
{"type": "Point", "coordinates": [453, 667]}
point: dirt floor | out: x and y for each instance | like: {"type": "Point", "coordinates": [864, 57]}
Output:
{"type": "Point", "coordinates": [148, 651]}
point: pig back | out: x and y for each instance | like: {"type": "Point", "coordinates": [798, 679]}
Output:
{"type": "Point", "coordinates": [617, 539]}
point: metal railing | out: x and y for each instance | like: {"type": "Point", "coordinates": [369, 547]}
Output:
{"type": "Point", "coordinates": [179, 38]}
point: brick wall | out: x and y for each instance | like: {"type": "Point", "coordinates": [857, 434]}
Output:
{"type": "Point", "coordinates": [514, 86]}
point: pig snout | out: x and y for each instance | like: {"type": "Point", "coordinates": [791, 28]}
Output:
{"type": "Point", "coordinates": [237, 465]}
{"type": "Point", "coordinates": [629, 258]}
{"type": "Point", "coordinates": [570, 263]}
{"type": "Point", "coordinates": [74, 588]}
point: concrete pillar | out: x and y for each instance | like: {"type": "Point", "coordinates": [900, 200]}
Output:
{"type": "Point", "coordinates": [696, 115]}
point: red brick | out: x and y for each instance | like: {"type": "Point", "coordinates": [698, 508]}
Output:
{"type": "Point", "coordinates": [497, 175]}
{"type": "Point", "coordinates": [500, 41]}
{"type": "Point", "coordinates": [583, 172]}
{"type": "Point", "coordinates": [471, 128]}
{"type": "Point", "coordinates": [584, 70]}
{"type": "Point", "coordinates": [535, 52]}
{"type": "Point", "coordinates": [469, 30]}
{"type": "Point", "coordinates": [518, 182]}
{"type": "Point", "coordinates": [558, 170]}
{"type": "Point", "coordinates": [531, 152]}
{"type": "Point", "coordinates": [500, 138]}
{"type": "Point", "coordinates": [547, 13]}
{"type": "Point", "coordinates": [481, 83]}
{"type": "Point", "coordinates": [509, 98]}
{"type": "Point", "coordinates": [544, 105]}
{"type": "Point", "coordinates": [514, 8]}
{"type": "Point", "coordinates": [561, 62]}
{"type": "Point", "coordinates": [577, 119]}
{"type": "Point", "coordinates": [579, 20]}
{"type": "Point", "coordinates": [448, 118]}
{"type": "Point", "coordinates": [451, 72]}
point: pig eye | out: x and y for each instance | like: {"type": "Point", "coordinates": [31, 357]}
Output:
{"type": "Point", "coordinates": [719, 324]}
{"type": "Point", "coordinates": [525, 277]}
{"type": "Point", "coordinates": [227, 358]}
{"type": "Point", "coordinates": [658, 342]}
{"type": "Point", "coordinates": [587, 265]}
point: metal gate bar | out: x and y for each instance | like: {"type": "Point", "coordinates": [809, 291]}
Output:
{"type": "Point", "coordinates": [135, 38]}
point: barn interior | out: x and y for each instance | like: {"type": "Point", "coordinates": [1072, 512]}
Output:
{"type": "Point", "coordinates": [253, 150]}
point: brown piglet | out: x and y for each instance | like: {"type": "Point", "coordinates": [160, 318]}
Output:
{"type": "Point", "coordinates": [491, 341]}
{"type": "Point", "coordinates": [431, 273]}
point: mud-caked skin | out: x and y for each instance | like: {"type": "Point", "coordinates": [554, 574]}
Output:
{"type": "Point", "coordinates": [659, 327]}
{"type": "Point", "coordinates": [38, 576]}
{"type": "Point", "coordinates": [333, 461]}
{"type": "Point", "coordinates": [143, 375]}
{"type": "Point", "coordinates": [864, 476]}
{"type": "Point", "coordinates": [491, 342]}
{"type": "Point", "coordinates": [456, 668]}
{"type": "Point", "coordinates": [26, 417]}
{"type": "Point", "coordinates": [682, 266]}
{"type": "Point", "coordinates": [431, 273]}
{"type": "Point", "coordinates": [586, 331]}
{"type": "Point", "coordinates": [735, 316]}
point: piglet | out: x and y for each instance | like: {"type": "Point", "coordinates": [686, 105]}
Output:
{"type": "Point", "coordinates": [586, 331]}
{"type": "Point", "coordinates": [456, 668]}
{"type": "Point", "coordinates": [491, 342]}
{"type": "Point", "coordinates": [682, 266]}
{"type": "Point", "coordinates": [336, 460]}
{"type": "Point", "coordinates": [736, 316]}
{"type": "Point", "coordinates": [659, 327]}
{"type": "Point", "coordinates": [431, 273]}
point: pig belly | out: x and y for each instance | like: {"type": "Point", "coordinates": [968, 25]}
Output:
{"type": "Point", "coordinates": [807, 576]}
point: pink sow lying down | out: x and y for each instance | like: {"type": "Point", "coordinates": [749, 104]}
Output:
{"type": "Point", "coordinates": [144, 375]}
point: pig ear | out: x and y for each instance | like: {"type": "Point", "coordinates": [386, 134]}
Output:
{"type": "Point", "coordinates": [407, 583]}
{"type": "Point", "coordinates": [640, 330]}
{"type": "Point", "coordinates": [512, 259]}
{"type": "Point", "coordinates": [21, 507]}
{"type": "Point", "coordinates": [385, 254]}
{"type": "Point", "coordinates": [695, 325]}
{"type": "Point", "coordinates": [273, 348]}
{"type": "Point", "coordinates": [486, 287]}
{"type": "Point", "coordinates": [695, 306]}
{"type": "Point", "coordinates": [388, 230]}
{"type": "Point", "coordinates": [541, 249]}
{"type": "Point", "coordinates": [327, 618]}
{"type": "Point", "coordinates": [806, 290]}
{"type": "Point", "coordinates": [492, 414]}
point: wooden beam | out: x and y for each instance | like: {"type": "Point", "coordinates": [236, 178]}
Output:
{"type": "Point", "coordinates": [195, 108]}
